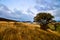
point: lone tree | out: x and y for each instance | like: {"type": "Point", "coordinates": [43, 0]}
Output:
{"type": "Point", "coordinates": [43, 19]}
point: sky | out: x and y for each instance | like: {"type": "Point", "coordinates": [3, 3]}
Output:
{"type": "Point", "coordinates": [25, 10]}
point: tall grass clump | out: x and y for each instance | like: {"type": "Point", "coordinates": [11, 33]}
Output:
{"type": "Point", "coordinates": [10, 34]}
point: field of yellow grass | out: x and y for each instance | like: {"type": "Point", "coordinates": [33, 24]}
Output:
{"type": "Point", "coordinates": [25, 31]}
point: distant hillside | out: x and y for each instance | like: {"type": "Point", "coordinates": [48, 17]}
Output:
{"type": "Point", "coordinates": [25, 31]}
{"type": "Point", "coordinates": [5, 19]}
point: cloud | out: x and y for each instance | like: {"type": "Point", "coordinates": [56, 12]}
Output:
{"type": "Point", "coordinates": [50, 6]}
{"type": "Point", "coordinates": [47, 5]}
{"type": "Point", "coordinates": [30, 9]}
{"type": "Point", "coordinates": [18, 15]}
{"type": "Point", "coordinates": [4, 11]}
{"type": "Point", "coordinates": [57, 14]}
{"type": "Point", "coordinates": [23, 16]}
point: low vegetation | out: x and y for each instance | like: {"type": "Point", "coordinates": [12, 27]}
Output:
{"type": "Point", "coordinates": [25, 31]}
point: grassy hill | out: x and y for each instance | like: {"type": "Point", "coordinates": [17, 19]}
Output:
{"type": "Point", "coordinates": [25, 31]}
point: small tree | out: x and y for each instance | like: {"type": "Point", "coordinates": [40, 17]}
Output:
{"type": "Point", "coordinates": [43, 19]}
{"type": "Point", "coordinates": [56, 26]}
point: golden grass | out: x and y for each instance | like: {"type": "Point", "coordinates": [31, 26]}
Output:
{"type": "Point", "coordinates": [24, 31]}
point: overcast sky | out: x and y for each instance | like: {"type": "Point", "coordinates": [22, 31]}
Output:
{"type": "Point", "coordinates": [25, 10]}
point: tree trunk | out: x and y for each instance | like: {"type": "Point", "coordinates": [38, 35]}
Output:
{"type": "Point", "coordinates": [55, 27]}
{"type": "Point", "coordinates": [44, 27]}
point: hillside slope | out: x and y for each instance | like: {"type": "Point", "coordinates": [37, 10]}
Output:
{"type": "Point", "coordinates": [24, 31]}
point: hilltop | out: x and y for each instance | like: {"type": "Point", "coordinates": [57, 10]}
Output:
{"type": "Point", "coordinates": [25, 31]}
{"type": "Point", "coordinates": [5, 19]}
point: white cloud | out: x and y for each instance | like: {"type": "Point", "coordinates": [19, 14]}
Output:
{"type": "Point", "coordinates": [15, 15]}
{"type": "Point", "coordinates": [28, 10]}
{"type": "Point", "coordinates": [47, 5]}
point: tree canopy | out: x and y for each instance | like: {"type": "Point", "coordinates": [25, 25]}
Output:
{"type": "Point", "coordinates": [43, 17]}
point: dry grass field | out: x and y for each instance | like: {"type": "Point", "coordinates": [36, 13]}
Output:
{"type": "Point", "coordinates": [25, 31]}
